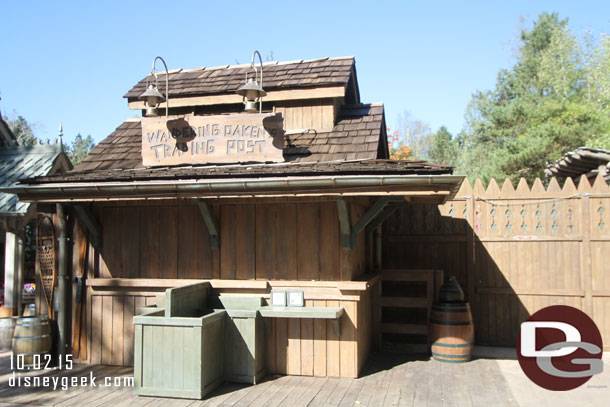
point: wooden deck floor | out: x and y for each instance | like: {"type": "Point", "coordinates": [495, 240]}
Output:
{"type": "Point", "coordinates": [387, 380]}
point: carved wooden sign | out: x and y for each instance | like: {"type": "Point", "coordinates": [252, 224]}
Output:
{"type": "Point", "coordinates": [212, 139]}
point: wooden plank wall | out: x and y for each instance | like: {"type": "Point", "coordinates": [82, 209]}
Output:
{"type": "Point", "coordinates": [309, 347]}
{"type": "Point", "coordinates": [513, 250]}
{"type": "Point", "coordinates": [267, 241]}
{"type": "Point", "coordinates": [318, 114]}
{"type": "Point", "coordinates": [365, 326]}
{"type": "Point", "coordinates": [110, 326]}
{"type": "Point", "coordinates": [283, 241]}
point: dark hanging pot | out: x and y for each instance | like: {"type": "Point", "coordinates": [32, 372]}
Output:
{"type": "Point", "coordinates": [451, 292]}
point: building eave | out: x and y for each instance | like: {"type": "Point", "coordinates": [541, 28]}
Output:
{"type": "Point", "coordinates": [439, 187]}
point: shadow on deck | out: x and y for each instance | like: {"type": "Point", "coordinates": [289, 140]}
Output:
{"type": "Point", "coordinates": [387, 379]}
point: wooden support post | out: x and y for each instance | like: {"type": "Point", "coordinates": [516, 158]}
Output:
{"type": "Point", "coordinates": [94, 228]}
{"type": "Point", "coordinates": [376, 313]}
{"type": "Point", "coordinates": [211, 224]}
{"type": "Point", "coordinates": [345, 224]}
{"type": "Point", "coordinates": [378, 248]}
{"type": "Point", "coordinates": [20, 263]}
{"type": "Point", "coordinates": [11, 269]}
{"type": "Point", "coordinates": [62, 284]}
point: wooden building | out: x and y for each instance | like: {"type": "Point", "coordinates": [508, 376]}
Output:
{"type": "Point", "coordinates": [583, 160]}
{"type": "Point", "coordinates": [20, 161]}
{"type": "Point", "coordinates": [310, 221]}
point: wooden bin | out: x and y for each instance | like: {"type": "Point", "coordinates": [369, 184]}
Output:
{"type": "Point", "coordinates": [244, 338]}
{"type": "Point", "coordinates": [178, 350]}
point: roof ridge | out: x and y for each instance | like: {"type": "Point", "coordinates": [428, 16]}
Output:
{"type": "Point", "coordinates": [266, 63]}
{"type": "Point", "coordinates": [360, 105]}
{"type": "Point", "coordinates": [339, 58]}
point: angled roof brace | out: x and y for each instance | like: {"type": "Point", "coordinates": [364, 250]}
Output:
{"type": "Point", "coordinates": [212, 225]}
{"type": "Point", "coordinates": [349, 233]}
{"type": "Point", "coordinates": [92, 225]}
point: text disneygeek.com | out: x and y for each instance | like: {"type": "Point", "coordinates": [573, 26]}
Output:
{"type": "Point", "coordinates": [65, 382]}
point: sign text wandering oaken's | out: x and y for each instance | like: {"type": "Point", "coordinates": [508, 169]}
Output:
{"type": "Point", "coordinates": [212, 139]}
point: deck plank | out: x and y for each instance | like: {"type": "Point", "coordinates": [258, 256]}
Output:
{"type": "Point", "coordinates": [395, 380]}
{"type": "Point", "coordinates": [410, 379]}
{"type": "Point", "coordinates": [492, 372]}
{"type": "Point", "coordinates": [295, 386]}
{"type": "Point", "coordinates": [370, 387]}
{"type": "Point", "coordinates": [275, 385]}
{"type": "Point", "coordinates": [351, 395]}
{"type": "Point", "coordinates": [254, 392]}
{"type": "Point", "coordinates": [311, 386]}
{"type": "Point", "coordinates": [387, 380]}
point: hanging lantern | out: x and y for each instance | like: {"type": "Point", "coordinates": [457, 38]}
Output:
{"type": "Point", "coordinates": [252, 92]}
{"type": "Point", "coordinates": [152, 99]}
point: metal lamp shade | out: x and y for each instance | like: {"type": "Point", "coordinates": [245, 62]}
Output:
{"type": "Point", "coordinates": [152, 97]}
{"type": "Point", "coordinates": [251, 90]}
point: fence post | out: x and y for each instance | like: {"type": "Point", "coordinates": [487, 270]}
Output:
{"type": "Point", "coordinates": [471, 255]}
{"type": "Point", "coordinates": [586, 272]}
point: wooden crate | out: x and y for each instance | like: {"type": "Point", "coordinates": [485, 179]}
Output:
{"type": "Point", "coordinates": [176, 353]}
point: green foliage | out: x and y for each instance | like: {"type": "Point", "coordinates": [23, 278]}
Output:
{"type": "Point", "coordinates": [556, 98]}
{"type": "Point", "coordinates": [601, 142]}
{"type": "Point", "coordinates": [443, 148]}
{"type": "Point", "coordinates": [21, 129]}
{"type": "Point", "coordinates": [76, 151]}
{"type": "Point", "coordinates": [79, 148]}
{"type": "Point", "coordinates": [415, 141]}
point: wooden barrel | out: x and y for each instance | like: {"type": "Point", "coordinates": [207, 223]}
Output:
{"type": "Point", "coordinates": [451, 332]}
{"type": "Point", "coordinates": [7, 327]}
{"type": "Point", "coordinates": [32, 337]}
{"type": "Point", "coordinates": [29, 310]}
{"type": "Point", "coordinates": [6, 312]}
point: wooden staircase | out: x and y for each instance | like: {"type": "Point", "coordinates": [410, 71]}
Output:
{"type": "Point", "coordinates": [402, 308]}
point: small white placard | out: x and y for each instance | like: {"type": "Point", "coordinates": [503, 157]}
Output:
{"type": "Point", "coordinates": [295, 298]}
{"type": "Point", "coordinates": [278, 298]}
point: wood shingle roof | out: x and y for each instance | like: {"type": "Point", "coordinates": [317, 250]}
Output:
{"type": "Point", "coordinates": [358, 134]}
{"type": "Point", "coordinates": [300, 169]}
{"type": "Point", "coordinates": [227, 79]}
{"type": "Point", "coordinates": [356, 143]}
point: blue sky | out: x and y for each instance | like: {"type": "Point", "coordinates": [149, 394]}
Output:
{"type": "Point", "coordinates": [72, 62]}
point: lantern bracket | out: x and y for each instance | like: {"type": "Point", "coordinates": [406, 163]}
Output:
{"type": "Point", "coordinates": [154, 74]}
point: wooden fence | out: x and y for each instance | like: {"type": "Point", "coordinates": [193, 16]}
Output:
{"type": "Point", "coordinates": [513, 250]}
